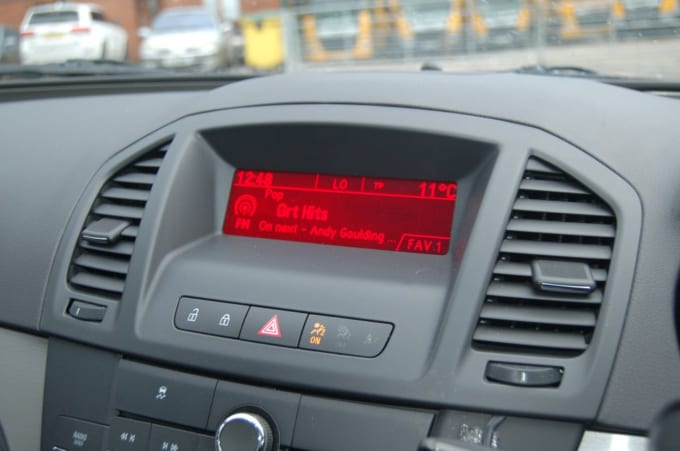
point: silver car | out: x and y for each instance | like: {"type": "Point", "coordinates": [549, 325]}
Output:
{"type": "Point", "coordinates": [187, 38]}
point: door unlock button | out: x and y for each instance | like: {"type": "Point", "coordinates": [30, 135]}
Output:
{"type": "Point", "coordinates": [210, 317]}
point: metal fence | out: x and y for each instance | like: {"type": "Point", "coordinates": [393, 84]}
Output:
{"type": "Point", "coordinates": [346, 32]}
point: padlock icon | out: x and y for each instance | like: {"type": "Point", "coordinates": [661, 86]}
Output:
{"type": "Point", "coordinates": [193, 315]}
{"type": "Point", "coordinates": [224, 321]}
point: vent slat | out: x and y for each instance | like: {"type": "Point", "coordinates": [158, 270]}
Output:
{"type": "Point", "coordinates": [523, 291]}
{"type": "Point", "coordinates": [536, 165]}
{"type": "Point", "coordinates": [102, 263]}
{"type": "Point", "coordinates": [149, 163]}
{"type": "Point", "coordinates": [120, 248]}
{"type": "Point", "coordinates": [538, 315]}
{"type": "Point", "coordinates": [126, 194]}
{"type": "Point", "coordinates": [130, 232]}
{"type": "Point", "coordinates": [554, 218]}
{"type": "Point", "coordinates": [560, 250]}
{"type": "Point", "coordinates": [101, 268]}
{"type": "Point", "coordinates": [136, 178]}
{"type": "Point", "coordinates": [562, 207]}
{"type": "Point", "coordinates": [524, 270]}
{"type": "Point", "coordinates": [512, 269]}
{"type": "Point", "coordinates": [119, 211]}
{"type": "Point", "coordinates": [551, 186]}
{"type": "Point", "coordinates": [98, 282]}
{"type": "Point", "coordinates": [562, 228]}
{"type": "Point", "coordinates": [530, 338]}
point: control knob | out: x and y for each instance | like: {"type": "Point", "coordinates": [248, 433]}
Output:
{"type": "Point", "coordinates": [244, 431]}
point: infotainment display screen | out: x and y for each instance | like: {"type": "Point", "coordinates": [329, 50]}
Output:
{"type": "Point", "coordinates": [388, 214]}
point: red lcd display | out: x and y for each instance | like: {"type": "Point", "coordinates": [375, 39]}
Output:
{"type": "Point", "coordinates": [369, 212]}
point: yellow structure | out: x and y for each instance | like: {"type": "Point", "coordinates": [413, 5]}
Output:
{"type": "Point", "coordinates": [668, 6]}
{"type": "Point", "coordinates": [618, 10]}
{"type": "Point", "coordinates": [263, 43]}
{"type": "Point", "coordinates": [524, 17]}
{"type": "Point", "coordinates": [454, 23]}
{"type": "Point", "coordinates": [363, 45]}
{"type": "Point", "coordinates": [401, 23]}
{"type": "Point", "coordinates": [571, 29]}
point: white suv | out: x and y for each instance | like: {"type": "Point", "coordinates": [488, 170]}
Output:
{"type": "Point", "coordinates": [58, 32]}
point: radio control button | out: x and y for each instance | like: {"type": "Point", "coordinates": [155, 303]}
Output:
{"type": "Point", "coordinates": [128, 435]}
{"type": "Point", "coordinates": [74, 434]}
{"type": "Point", "coordinates": [345, 336]}
{"type": "Point", "coordinates": [169, 439]}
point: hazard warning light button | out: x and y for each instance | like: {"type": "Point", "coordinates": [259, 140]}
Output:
{"type": "Point", "coordinates": [276, 327]}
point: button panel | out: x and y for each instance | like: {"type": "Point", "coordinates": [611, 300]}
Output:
{"type": "Point", "coordinates": [287, 328]}
{"type": "Point", "coordinates": [345, 336]}
{"type": "Point", "coordinates": [209, 317]}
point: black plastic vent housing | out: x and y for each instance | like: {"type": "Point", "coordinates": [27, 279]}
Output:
{"type": "Point", "coordinates": [554, 219]}
{"type": "Point", "coordinates": [100, 261]}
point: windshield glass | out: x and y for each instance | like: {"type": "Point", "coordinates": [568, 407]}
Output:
{"type": "Point", "coordinates": [53, 17]}
{"type": "Point", "coordinates": [188, 21]}
{"type": "Point", "coordinates": [623, 38]}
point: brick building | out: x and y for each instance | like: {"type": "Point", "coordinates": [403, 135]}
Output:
{"type": "Point", "coordinates": [130, 14]}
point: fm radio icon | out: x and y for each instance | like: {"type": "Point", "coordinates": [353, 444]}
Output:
{"type": "Point", "coordinates": [244, 209]}
{"type": "Point", "coordinates": [245, 205]}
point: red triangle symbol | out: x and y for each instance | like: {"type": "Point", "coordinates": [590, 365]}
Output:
{"type": "Point", "coordinates": [271, 328]}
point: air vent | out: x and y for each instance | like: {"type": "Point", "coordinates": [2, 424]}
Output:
{"type": "Point", "coordinates": [100, 261]}
{"type": "Point", "coordinates": [561, 226]}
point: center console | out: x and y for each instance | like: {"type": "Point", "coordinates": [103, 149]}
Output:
{"type": "Point", "coordinates": [336, 278]}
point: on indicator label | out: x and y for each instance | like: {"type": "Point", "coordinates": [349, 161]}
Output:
{"type": "Point", "coordinates": [271, 328]}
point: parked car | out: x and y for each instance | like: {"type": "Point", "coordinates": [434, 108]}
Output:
{"type": "Point", "coordinates": [188, 37]}
{"type": "Point", "coordinates": [9, 44]}
{"type": "Point", "coordinates": [62, 31]}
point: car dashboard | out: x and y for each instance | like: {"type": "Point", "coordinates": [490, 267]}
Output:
{"type": "Point", "coordinates": [340, 262]}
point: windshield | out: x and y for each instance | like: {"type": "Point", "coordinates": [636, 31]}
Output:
{"type": "Point", "coordinates": [622, 38]}
{"type": "Point", "coordinates": [53, 17]}
{"type": "Point", "coordinates": [188, 21]}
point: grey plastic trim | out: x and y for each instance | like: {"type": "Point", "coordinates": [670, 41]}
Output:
{"type": "Point", "coordinates": [603, 441]}
{"type": "Point", "coordinates": [524, 270]}
{"type": "Point", "coordinates": [561, 228]}
{"type": "Point", "coordinates": [523, 291]}
{"type": "Point", "coordinates": [22, 373]}
{"type": "Point", "coordinates": [552, 186]}
{"type": "Point", "coordinates": [530, 338]}
{"type": "Point", "coordinates": [539, 315]}
{"type": "Point", "coordinates": [570, 208]}
{"type": "Point", "coordinates": [566, 250]}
